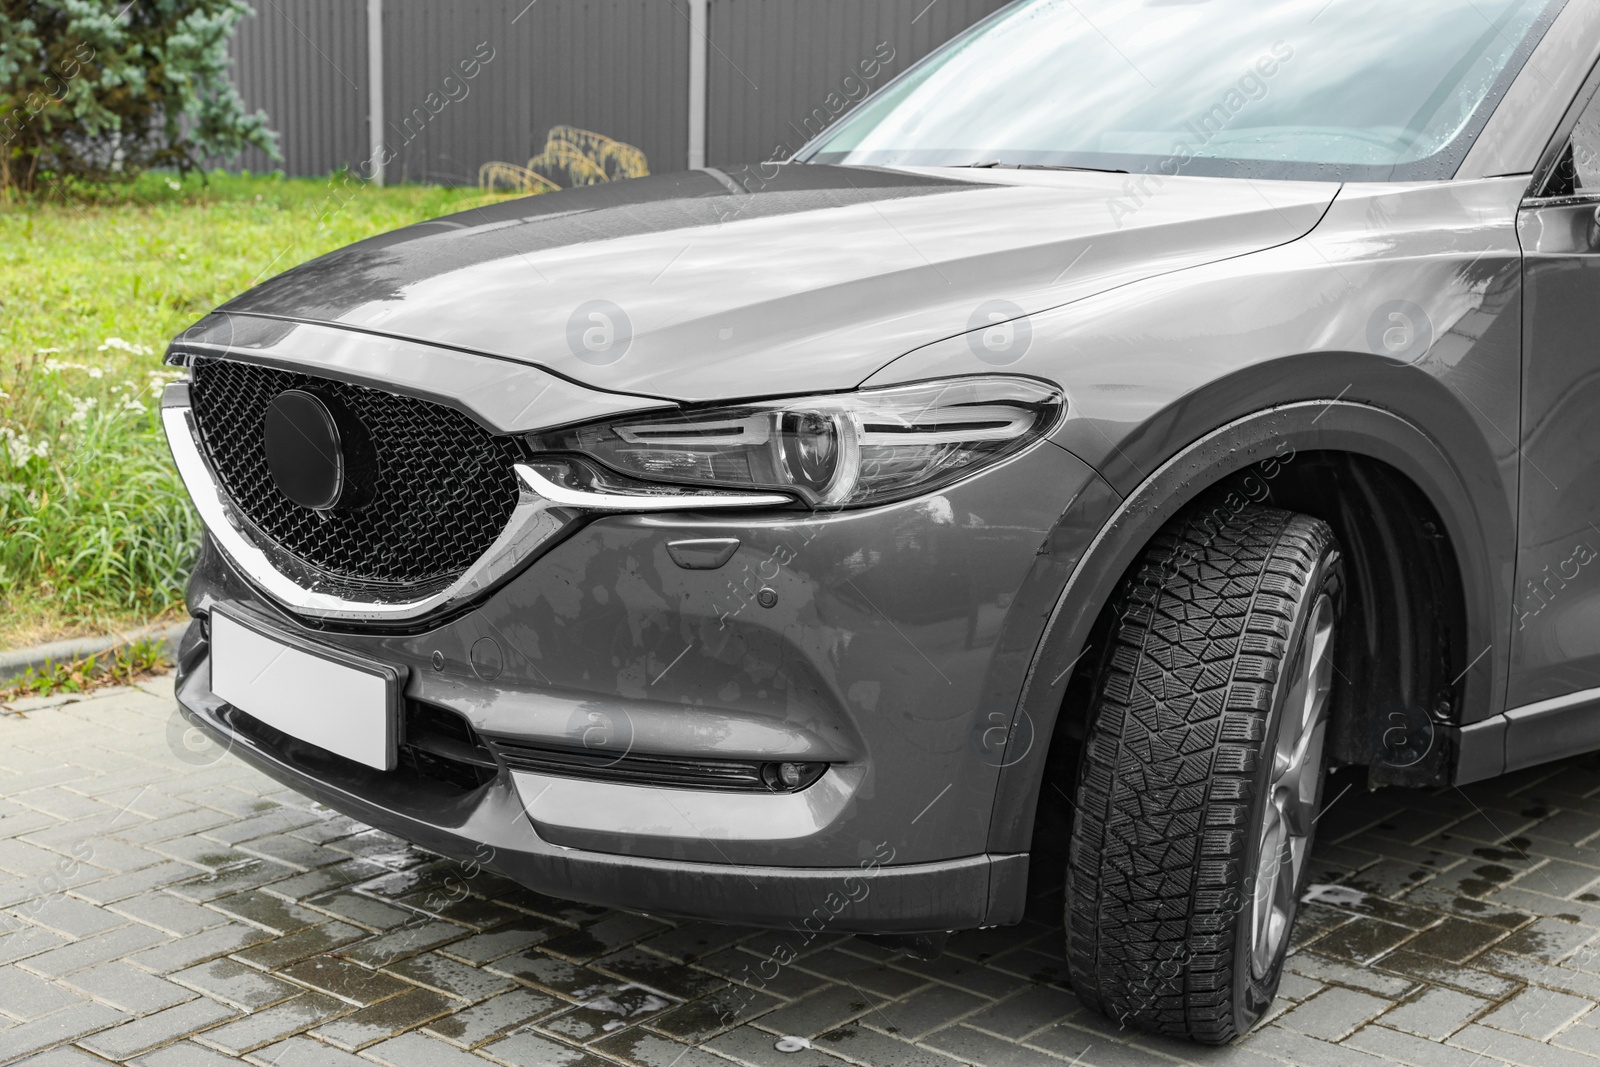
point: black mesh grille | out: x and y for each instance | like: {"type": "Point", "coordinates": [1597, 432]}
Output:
{"type": "Point", "coordinates": [444, 487]}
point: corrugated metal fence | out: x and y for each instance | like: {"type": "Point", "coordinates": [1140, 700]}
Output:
{"type": "Point", "coordinates": [305, 63]}
{"type": "Point", "coordinates": [465, 82]}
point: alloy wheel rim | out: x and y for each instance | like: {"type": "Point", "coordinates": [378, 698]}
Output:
{"type": "Point", "coordinates": [1293, 790]}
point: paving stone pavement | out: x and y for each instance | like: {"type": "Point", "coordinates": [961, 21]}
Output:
{"type": "Point", "coordinates": [163, 908]}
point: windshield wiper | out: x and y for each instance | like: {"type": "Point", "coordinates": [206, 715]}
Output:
{"type": "Point", "coordinates": [992, 164]}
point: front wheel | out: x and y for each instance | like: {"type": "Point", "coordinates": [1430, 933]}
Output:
{"type": "Point", "coordinates": [1202, 772]}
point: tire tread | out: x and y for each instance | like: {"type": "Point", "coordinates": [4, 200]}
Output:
{"type": "Point", "coordinates": [1167, 782]}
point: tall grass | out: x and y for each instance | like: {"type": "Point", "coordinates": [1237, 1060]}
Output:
{"type": "Point", "coordinates": [96, 523]}
{"type": "Point", "coordinates": [96, 531]}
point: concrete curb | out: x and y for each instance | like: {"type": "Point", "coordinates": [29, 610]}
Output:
{"type": "Point", "coordinates": [15, 663]}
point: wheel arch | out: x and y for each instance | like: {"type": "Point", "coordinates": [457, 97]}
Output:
{"type": "Point", "coordinates": [1371, 437]}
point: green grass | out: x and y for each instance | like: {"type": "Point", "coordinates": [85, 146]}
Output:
{"type": "Point", "coordinates": [96, 532]}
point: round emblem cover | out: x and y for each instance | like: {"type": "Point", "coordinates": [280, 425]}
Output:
{"type": "Point", "coordinates": [304, 450]}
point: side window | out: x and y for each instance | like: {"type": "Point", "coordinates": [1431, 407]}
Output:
{"type": "Point", "coordinates": [1579, 168]}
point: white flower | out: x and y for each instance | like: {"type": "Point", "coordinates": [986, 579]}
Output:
{"type": "Point", "coordinates": [96, 372]}
{"type": "Point", "coordinates": [126, 346]}
{"type": "Point", "coordinates": [173, 185]}
{"type": "Point", "coordinates": [132, 403]}
{"type": "Point", "coordinates": [21, 450]}
{"type": "Point", "coordinates": [80, 408]}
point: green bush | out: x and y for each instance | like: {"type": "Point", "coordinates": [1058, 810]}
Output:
{"type": "Point", "coordinates": [103, 89]}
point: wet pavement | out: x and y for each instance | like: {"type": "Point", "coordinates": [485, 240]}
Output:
{"type": "Point", "coordinates": [163, 906]}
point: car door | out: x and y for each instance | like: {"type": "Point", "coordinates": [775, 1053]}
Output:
{"type": "Point", "coordinates": [1555, 625]}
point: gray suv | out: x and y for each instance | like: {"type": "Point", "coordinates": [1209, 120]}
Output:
{"type": "Point", "coordinates": [1130, 412]}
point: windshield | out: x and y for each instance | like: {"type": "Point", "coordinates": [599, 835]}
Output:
{"type": "Point", "coordinates": [1337, 90]}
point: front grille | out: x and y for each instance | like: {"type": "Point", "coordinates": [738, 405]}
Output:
{"type": "Point", "coordinates": [443, 491]}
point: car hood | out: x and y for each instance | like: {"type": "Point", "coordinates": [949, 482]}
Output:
{"type": "Point", "coordinates": [778, 279]}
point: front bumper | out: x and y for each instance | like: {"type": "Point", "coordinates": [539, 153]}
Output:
{"type": "Point", "coordinates": [871, 896]}
{"type": "Point", "coordinates": [894, 651]}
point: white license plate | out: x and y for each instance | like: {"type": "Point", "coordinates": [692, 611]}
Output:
{"type": "Point", "coordinates": [342, 705]}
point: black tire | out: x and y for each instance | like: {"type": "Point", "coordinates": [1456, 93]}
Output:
{"type": "Point", "coordinates": [1208, 635]}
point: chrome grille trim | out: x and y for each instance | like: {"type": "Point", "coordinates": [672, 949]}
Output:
{"type": "Point", "coordinates": [533, 522]}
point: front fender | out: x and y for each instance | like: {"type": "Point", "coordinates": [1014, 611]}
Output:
{"type": "Point", "coordinates": [1175, 382]}
{"type": "Point", "coordinates": [1331, 425]}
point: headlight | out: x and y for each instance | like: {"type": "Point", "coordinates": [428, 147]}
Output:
{"type": "Point", "coordinates": [843, 450]}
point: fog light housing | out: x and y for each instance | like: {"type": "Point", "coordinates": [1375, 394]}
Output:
{"type": "Point", "coordinates": [790, 777]}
